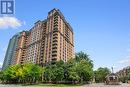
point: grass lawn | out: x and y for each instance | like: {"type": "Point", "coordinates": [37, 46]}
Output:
{"type": "Point", "coordinates": [56, 85]}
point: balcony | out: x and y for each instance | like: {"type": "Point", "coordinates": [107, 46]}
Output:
{"type": "Point", "coordinates": [54, 44]}
{"type": "Point", "coordinates": [55, 26]}
{"type": "Point", "coordinates": [55, 30]}
{"type": "Point", "coordinates": [54, 52]}
{"type": "Point", "coordinates": [54, 48]}
{"type": "Point", "coordinates": [55, 20]}
{"type": "Point", "coordinates": [56, 16]}
{"type": "Point", "coordinates": [54, 55]}
{"type": "Point", "coordinates": [55, 37]}
{"type": "Point", "coordinates": [42, 49]}
{"type": "Point", "coordinates": [55, 40]}
{"type": "Point", "coordinates": [54, 58]}
{"type": "Point", "coordinates": [55, 34]}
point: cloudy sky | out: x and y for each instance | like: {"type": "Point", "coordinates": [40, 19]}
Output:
{"type": "Point", "coordinates": [101, 27]}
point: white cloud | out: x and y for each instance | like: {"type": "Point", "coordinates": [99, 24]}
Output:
{"type": "Point", "coordinates": [9, 22]}
{"type": "Point", "coordinates": [125, 61]}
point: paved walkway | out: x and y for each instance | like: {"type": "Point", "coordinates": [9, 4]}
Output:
{"type": "Point", "coordinates": [90, 85]}
{"type": "Point", "coordinates": [102, 85]}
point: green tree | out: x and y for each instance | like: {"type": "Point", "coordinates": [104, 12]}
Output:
{"type": "Point", "coordinates": [81, 55]}
{"type": "Point", "coordinates": [73, 75]}
{"type": "Point", "coordinates": [32, 72]}
{"type": "Point", "coordinates": [55, 72]}
{"type": "Point", "coordinates": [59, 71]}
{"type": "Point", "coordinates": [84, 71]}
{"type": "Point", "coordinates": [70, 73]}
{"type": "Point", "coordinates": [48, 74]}
{"type": "Point", "coordinates": [129, 76]}
{"type": "Point", "coordinates": [9, 74]}
{"type": "Point", "coordinates": [22, 73]}
{"type": "Point", "coordinates": [1, 76]}
{"type": "Point", "coordinates": [78, 71]}
{"type": "Point", "coordinates": [101, 73]}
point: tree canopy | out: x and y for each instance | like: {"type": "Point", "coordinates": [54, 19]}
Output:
{"type": "Point", "coordinates": [101, 73]}
{"type": "Point", "coordinates": [75, 70]}
{"type": "Point", "coordinates": [22, 73]}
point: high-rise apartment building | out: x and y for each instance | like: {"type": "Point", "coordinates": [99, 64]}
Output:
{"type": "Point", "coordinates": [10, 53]}
{"type": "Point", "coordinates": [48, 41]}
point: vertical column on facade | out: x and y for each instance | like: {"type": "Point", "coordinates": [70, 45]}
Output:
{"type": "Point", "coordinates": [42, 48]}
{"type": "Point", "coordinates": [55, 38]}
{"type": "Point", "coordinates": [20, 49]}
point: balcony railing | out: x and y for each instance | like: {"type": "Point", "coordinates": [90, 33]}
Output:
{"type": "Point", "coordinates": [54, 47]}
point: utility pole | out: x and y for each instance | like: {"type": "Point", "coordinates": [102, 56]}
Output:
{"type": "Point", "coordinates": [112, 70]}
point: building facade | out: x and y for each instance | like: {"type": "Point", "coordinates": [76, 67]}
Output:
{"type": "Point", "coordinates": [47, 41]}
{"type": "Point", "coordinates": [10, 53]}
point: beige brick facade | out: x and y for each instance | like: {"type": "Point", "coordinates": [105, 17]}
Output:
{"type": "Point", "coordinates": [48, 41]}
